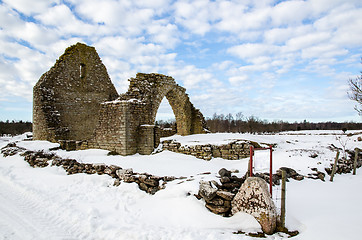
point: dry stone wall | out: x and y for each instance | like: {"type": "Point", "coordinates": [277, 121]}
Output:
{"type": "Point", "coordinates": [232, 151]}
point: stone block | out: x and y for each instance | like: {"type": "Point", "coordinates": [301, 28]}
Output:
{"type": "Point", "coordinates": [254, 198]}
{"type": "Point", "coordinates": [206, 191]}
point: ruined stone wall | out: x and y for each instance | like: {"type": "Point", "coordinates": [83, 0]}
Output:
{"type": "Point", "coordinates": [232, 151]}
{"type": "Point", "coordinates": [118, 126]}
{"type": "Point", "coordinates": [67, 98]}
{"type": "Point", "coordinates": [152, 88]}
{"type": "Point", "coordinates": [76, 103]}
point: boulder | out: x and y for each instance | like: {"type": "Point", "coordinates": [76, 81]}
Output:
{"type": "Point", "coordinates": [254, 198]}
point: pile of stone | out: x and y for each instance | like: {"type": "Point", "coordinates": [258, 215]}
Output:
{"type": "Point", "coordinates": [38, 159]}
{"type": "Point", "coordinates": [316, 175]}
{"type": "Point", "coordinates": [235, 150]}
{"type": "Point", "coordinates": [346, 165]}
{"type": "Point", "coordinates": [290, 173]}
{"type": "Point", "coordinates": [235, 194]}
{"type": "Point", "coordinates": [217, 196]}
{"type": "Point", "coordinates": [146, 182]}
{"type": "Point", "coordinates": [11, 149]}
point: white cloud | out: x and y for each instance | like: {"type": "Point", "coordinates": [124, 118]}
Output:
{"type": "Point", "coordinates": [194, 15]}
{"type": "Point", "coordinates": [10, 85]}
{"type": "Point", "coordinates": [229, 14]}
{"type": "Point", "coordinates": [307, 40]}
{"type": "Point", "coordinates": [127, 48]}
{"type": "Point", "coordinates": [127, 18]}
{"type": "Point", "coordinates": [279, 36]}
{"type": "Point", "coordinates": [30, 7]}
{"type": "Point", "coordinates": [235, 80]}
{"type": "Point", "coordinates": [193, 41]}
{"type": "Point", "coordinates": [289, 13]}
{"type": "Point", "coordinates": [252, 50]}
{"type": "Point", "coordinates": [65, 22]}
{"type": "Point", "coordinates": [345, 25]}
{"type": "Point", "coordinates": [323, 50]}
{"type": "Point", "coordinates": [15, 28]}
{"type": "Point", "coordinates": [164, 33]}
{"type": "Point", "coordinates": [190, 76]}
{"type": "Point", "coordinates": [223, 65]}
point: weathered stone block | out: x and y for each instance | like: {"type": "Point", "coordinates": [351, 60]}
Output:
{"type": "Point", "coordinates": [225, 195]}
{"type": "Point", "coordinates": [254, 198]}
{"type": "Point", "coordinates": [207, 191]}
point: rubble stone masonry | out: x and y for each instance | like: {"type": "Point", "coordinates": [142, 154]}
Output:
{"type": "Point", "coordinates": [76, 104]}
{"type": "Point", "coordinates": [67, 98]}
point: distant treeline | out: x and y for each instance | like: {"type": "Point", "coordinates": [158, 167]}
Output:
{"type": "Point", "coordinates": [220, 123]}
{"type": "Point", "coordinates": [252, 124]}
{"type": "Point", "coordinates": [15, 127]}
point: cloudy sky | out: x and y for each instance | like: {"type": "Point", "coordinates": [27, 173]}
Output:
{"type": "Point", "coordinates": [277, 60]}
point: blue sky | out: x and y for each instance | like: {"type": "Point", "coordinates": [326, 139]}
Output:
{"type": "Point", "coordinates": [276, 60]}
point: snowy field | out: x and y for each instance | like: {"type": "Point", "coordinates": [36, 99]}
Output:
{"type": "Point", "coordinates": [46, 203]}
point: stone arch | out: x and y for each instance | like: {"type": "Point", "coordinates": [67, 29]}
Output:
{"type": "Point", "coordinates": [182, 110]}
{"type": "Point", "coordinates": [152, 88]}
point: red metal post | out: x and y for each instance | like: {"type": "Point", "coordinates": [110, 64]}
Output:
{"type": "Point", "coordinates": [271, 170]}
{"type": "Point", "coordinates": [251, 162]}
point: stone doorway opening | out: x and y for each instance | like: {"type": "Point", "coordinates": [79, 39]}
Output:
{"type": "Point", "coordinates": [165, 119]}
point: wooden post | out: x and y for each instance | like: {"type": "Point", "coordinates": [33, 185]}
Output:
{"type": "Point", "coordinates": [282, 207]}
{"type": "Point", "coordinates": [355, 160]}
{"type": "Point", "coordinates": [271, 171]}
{"type": "Point", "coordinates": [334, 167]}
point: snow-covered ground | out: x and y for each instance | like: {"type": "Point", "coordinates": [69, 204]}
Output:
{"type": "Point", "coordinates": [46, 203]}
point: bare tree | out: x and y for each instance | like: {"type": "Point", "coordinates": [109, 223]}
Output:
{"type": "Point", "coordinates": [239, 116]}
{"type": "Point", "coordinates": [229, 120]}
{"type": "Point", "coordinates": [355, 92]}
{"type": "Point", "coordinates": [239, 121]}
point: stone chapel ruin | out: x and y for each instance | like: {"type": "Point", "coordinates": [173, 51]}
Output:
{"type": "Point", "coordinates": [76, 104]}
